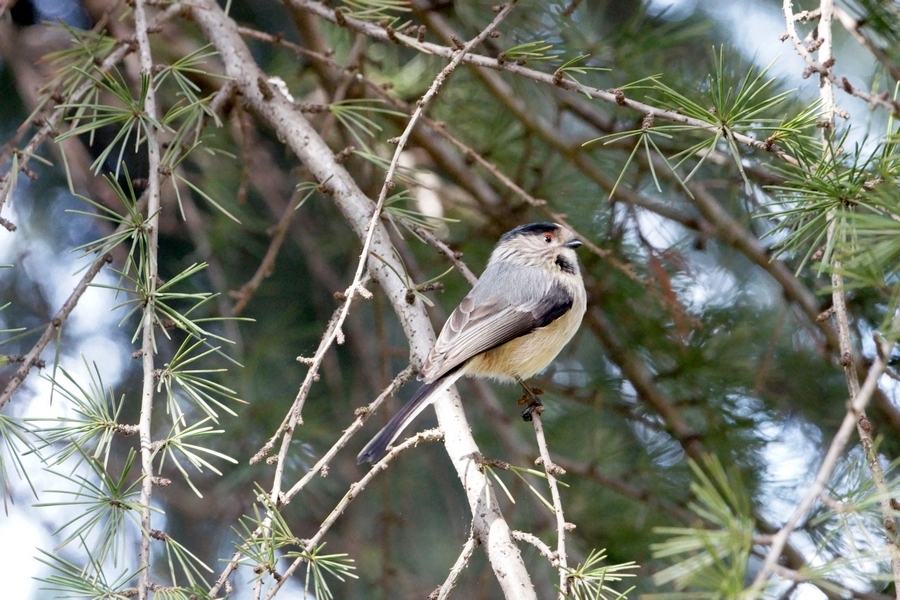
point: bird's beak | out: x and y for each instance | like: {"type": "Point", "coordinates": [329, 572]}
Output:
{"type": "Point", "coordinates": [573, 244]}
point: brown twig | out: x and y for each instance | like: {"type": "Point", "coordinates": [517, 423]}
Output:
{"type": "Point", "coordinates": [30, 359]}
{"type": "Point", "coordinates": [246, 292]}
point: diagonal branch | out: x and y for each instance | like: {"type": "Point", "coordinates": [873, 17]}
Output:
{"type": "Point", "coordinates": [31, 358]}
{"type": "Point", "coordinates": [855, 409]}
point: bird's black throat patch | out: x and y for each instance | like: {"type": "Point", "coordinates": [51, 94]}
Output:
{"type": "Point", "coordinates": [565, 264]}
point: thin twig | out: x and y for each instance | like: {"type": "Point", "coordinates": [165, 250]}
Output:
{"type": "Point", "coordinates": [362, 416]}
{"type": "Point", "coordinates": [552, 470]}
{"type": "Point", "coordinates": [30, 359]}
{"type": "Point", "coordinates": [854, 410]}
{"type": "Point", "coordinates": [311, 376]}
{"type": "Point", "coordinates": [461, 562]}
{"type": "Point", "coordinates": [853, 27]}
{"type": "Point", "coordinates": [544, 549]}
{"type": "Point", "coordinates": [444, 249]}
{"type": "Point", "coordinates": [148, 346]}
{"type": "Point", "coordinates": [429, 435]}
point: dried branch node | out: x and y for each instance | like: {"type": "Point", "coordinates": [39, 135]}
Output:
{"type": "Point", "coordinates": [264, 89]}
{"type": "Point", "coordinates": [8, 225]}
{"type": "Point", "coordinates": [161, 536]}
{"type": "Point", "coordinates": [391, 35]}
{"type": "Point", "coordinates": [865, 424]}
{"type": "Point", "coordinates": [344, 154]}
{"type": "Point", "coordinates": [813, 46]}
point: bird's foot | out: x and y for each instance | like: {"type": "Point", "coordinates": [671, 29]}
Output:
{"type": "Point", "coordinates": [530, 397]}
{"type": "Point", "coordinates": [534, 407]}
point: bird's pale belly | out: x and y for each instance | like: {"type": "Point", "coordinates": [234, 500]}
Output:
{"type": "Point", "coordinates": [525, 356]}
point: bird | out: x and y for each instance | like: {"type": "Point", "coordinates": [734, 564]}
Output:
{"type": "Point", "coordinates": [527, 304]}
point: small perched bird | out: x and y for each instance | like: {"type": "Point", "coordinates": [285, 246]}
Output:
{"type": "Point", "coordinates": [526, 306]}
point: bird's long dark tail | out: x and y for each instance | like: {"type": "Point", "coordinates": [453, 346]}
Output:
{"type": "Point", "coordinates": [427, 394]}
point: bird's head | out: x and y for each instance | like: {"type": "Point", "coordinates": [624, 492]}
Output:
{"type": "Point", "coordinates": [547, 244]}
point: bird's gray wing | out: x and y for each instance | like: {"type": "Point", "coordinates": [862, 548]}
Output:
{"type": "Point", "coordinates": [482, 322]}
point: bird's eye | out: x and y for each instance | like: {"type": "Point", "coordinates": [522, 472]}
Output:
{"type": "Point", "coordinates": [548, 238]}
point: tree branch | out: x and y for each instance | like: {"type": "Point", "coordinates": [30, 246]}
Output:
{"type": "Point", "coordinates": [30, 359]}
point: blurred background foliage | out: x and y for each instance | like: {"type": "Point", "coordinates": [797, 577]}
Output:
{"type": "Point", "coordinates": [691, 347]}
